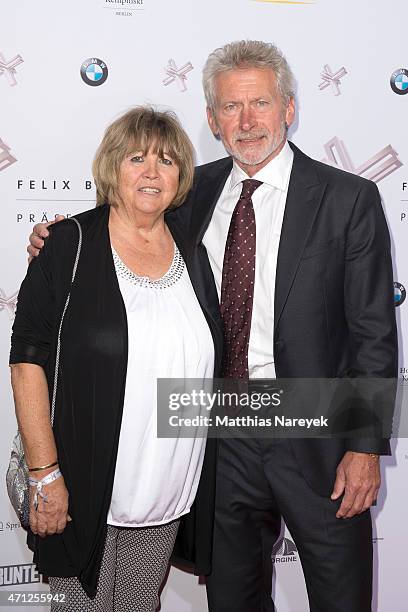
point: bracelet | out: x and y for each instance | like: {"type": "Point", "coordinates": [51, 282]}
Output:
{"type": "Point", "coordinates": [43, 467]}
{"type": "Point", "coordinates": [48, 479]}
{"type": "Point", "coordinates": [373, 455]}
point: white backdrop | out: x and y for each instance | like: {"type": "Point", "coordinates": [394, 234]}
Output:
{"type": "Point", "coordinates": [51, 122]}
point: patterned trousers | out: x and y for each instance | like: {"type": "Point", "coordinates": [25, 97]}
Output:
{"type": "Point", "coordinates": [134, 564]}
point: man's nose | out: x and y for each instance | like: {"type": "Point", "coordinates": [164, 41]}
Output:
{"type": "Point", "coordinates": [247, 118]}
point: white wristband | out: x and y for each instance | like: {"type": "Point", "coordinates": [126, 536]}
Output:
{"type": "Point", "coordinates": [48, 479]}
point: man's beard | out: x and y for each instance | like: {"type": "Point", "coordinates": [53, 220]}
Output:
{"type": "Point", "coordinates": [257, 157]}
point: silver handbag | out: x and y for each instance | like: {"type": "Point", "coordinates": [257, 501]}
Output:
{"type": "Point", "coordinates": [17, 474]}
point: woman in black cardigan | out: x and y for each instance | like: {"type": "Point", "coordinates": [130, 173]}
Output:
{"type": "Point", "coordinates": [143, 169]}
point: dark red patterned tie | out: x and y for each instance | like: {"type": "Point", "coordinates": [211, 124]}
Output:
{"type": "Point", "coordinates": [238, 278]}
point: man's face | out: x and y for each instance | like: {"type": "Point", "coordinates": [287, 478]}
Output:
{"type": "Point", "coordinates": [249, 116]}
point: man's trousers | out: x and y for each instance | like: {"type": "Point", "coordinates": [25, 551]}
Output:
{"type": "Point", "coordinates": [259, 481]}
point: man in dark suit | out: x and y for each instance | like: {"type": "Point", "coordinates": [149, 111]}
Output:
{"type": "Point", "coordinates": [298, 255]}
{"type": "Point", "coordinates": [321, 307]}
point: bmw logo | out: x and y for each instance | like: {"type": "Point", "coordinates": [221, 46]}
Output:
{"type": "Point", "coordinates": [399, 82]}
{"type": "Point", "coordinates": [399, 294]}
{"type": "Point", "coordinates": [94, 71]}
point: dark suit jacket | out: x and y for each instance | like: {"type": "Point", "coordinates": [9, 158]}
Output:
{"type": "Point", "coordinates": [334, 310]}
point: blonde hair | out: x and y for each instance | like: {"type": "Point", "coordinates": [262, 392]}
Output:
{"type": "Point", "coordinates": [140, 129]}
{"type": "Point", "coordinates": [248, 54]}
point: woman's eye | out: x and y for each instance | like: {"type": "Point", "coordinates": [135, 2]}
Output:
{"type": "Point", "coordinates": [166, 161]}
{"type": "Point", "coordinates": [136, 158]}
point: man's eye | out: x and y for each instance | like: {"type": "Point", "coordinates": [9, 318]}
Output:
{"type": "Point", "coordinates": [262, 103]}
{"type": "Point", "coordinates": [230, 108]}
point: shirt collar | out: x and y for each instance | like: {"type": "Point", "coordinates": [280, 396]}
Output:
{"type": "Point", "coordinates": [276, 173]}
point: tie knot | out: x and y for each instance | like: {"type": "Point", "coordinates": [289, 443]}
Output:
{"type": "Point", "coordinates": [248, 187]}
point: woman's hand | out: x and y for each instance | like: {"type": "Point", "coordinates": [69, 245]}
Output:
{"type": "Point", "coordinates": [51, 516]}
{"type": "Point", "coordinates": [31, 397]}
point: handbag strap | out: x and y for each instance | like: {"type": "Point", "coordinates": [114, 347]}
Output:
{"type": "Point", "coordinates": [57, 356]}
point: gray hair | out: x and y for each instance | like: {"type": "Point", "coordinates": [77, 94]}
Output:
{"type": "Point", "coordinates": [248, 54]}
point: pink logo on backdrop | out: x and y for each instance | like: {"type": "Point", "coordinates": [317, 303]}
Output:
{"type": "Point", "coordinates": [177, 74]}
{"type": "Point", "coordinates": [375, 169]}
{"type": "Point", "coordinates": [9, 68]}
{"type": "Point", "coordinates": [6, 158]}
{"type": "Point", "coordinates": [332, 79]}
{"type": "Point", "coordinates": [9, 303]}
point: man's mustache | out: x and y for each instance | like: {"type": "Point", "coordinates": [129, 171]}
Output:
{"type": "Point", "coordinates": [250, 135]}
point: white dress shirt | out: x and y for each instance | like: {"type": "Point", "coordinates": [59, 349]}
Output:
{"type": "Point", "coordinates": [269, 205]}
{"type": "Point", "coordinates": [156, 479]}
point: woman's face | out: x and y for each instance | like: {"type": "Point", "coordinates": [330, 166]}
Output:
{"type": "Point", "coordinates": [148, 183]}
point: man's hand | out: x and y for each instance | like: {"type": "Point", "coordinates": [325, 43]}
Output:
{"type": "Point", "coordinates": [37, 237]}
{"type": "Point", "coordinates": [51, 516]}
{"type": "Point", "coordinates": [359, 478]}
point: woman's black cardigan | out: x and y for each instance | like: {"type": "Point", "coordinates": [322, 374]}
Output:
{"type": "Point", "coordinates": [91, 389]}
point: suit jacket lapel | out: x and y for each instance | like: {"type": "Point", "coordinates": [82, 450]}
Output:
{"type": "Point", "coordinates": [305, 195]}
{"type": "Point", "coordinates": [207, 192]}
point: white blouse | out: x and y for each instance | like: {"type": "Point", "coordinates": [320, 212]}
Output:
{"type": "Point", "coordinates": [156, 479]}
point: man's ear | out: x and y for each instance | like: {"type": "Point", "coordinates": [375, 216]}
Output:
{"type": "Point", "coordinates": [212, 122]}
{"type": "Point", "coordinates": [290, 112]}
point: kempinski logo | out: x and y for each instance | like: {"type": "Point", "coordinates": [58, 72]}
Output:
{"type": "Point", "coordinates": [177, 74]}
{"type": "Point", "coordinates": [125, 2]}
{"type": "Point", "coordinates": [286, 1]}
{"type": "Point", "coordinates": [375, 169]}
{"type": "Point", "coordinates": [8, 67]}
{"type": "Point", "coordinates": [124, 8]}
